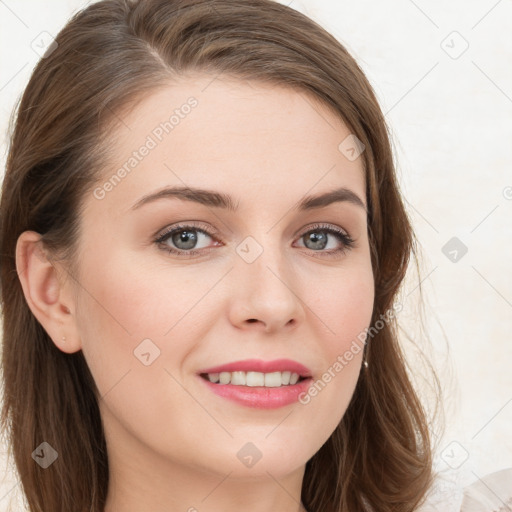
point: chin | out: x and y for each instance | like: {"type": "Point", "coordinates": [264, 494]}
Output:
{"type": "Point", "coordinates": [250, 458]}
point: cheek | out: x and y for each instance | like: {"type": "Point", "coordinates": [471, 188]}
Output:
{"type": "Point", "coordinates": [125, 315]}
{"type": "Point", "coordinates": [130, 301]}
{"type": "Point", "coordinates": [127, 303]}
{"type": "Point", "coordinates": [355, 313]}
{"type": "Point", "coordinates": [345, 307]}
{"type": "Point", "coordinates": [116, 313]}
{"type": "Point", "coordinates": [345, 310]}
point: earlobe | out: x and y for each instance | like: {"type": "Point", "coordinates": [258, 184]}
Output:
{"type": "Point", "coordinates": [47, 297]}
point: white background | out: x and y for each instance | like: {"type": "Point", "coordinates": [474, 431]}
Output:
{"type": "Point", "coordinates": [451, 118]}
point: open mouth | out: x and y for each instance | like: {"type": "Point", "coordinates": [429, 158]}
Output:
{"type": "Point", "coordinates": [255, 379]}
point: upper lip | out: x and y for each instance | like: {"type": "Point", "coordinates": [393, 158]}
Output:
{"type": "Point", "coordinates": [259, 365]}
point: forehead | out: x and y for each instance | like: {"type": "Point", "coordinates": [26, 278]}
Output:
{"type": "Point", "coordinates": [225, 133]}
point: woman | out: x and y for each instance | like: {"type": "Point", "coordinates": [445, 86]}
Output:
{"type": "Point", "coordinates": [179, 334]}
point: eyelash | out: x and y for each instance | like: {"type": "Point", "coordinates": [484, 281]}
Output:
{"type": "Point", "coordinates": [347, 242]}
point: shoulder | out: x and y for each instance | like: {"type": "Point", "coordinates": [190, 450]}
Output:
{"type": "Point", "coordinates": [491, 493]}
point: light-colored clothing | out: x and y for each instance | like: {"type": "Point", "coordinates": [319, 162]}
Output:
{"type": "Point", "coordinates": [491, 493]}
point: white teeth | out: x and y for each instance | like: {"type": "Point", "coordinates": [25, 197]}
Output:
{"type": "Point", "coordinates": [238, 378]}
{"type": "Point", "coordinates": [252, 379]}
{"type": "Point", "coordinates": [273, 380]}
{"type": "Point", "coordinates": [255, 379]}
{"type": "Point", "coordinates": [225, 377]}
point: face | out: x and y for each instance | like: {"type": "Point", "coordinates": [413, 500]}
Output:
{"type": "Point", "coordinates": [182, 282]}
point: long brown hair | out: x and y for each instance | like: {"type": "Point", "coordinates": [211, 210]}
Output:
{"type": "Point", "coordinates": [107, 57]}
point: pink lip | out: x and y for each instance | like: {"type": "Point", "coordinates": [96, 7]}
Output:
{"type": "Point", "coordinates": [258, 365]}
{"type": "Point", "coordinates": [260, 397]}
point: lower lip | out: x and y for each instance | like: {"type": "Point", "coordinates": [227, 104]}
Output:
{"type": "Point", "coordinates": [260, 397]}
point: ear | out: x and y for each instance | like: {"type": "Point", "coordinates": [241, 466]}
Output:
{"type": "Point", "coordinates": [47, 294]}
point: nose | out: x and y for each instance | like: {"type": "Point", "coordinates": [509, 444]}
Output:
{"type": "Point", "coordinates": [267, 293]}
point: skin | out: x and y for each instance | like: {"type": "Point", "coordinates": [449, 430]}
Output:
{"type": "Point", "coordinates": [172, 443]}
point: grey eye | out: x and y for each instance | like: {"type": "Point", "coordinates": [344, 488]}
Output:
{"type": "Point", "coordinates": [316, 240]}
{"type": "Point", "coordinates": [185, 239]}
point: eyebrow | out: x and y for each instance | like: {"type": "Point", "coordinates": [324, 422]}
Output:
{"type": "Point", "coordinates": [221, 200]}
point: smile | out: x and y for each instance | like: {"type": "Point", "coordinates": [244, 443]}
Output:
{"type": "Point", "coordinates": [253, 379]}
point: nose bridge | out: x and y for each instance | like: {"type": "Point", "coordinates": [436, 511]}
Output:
{"type": "Point", "coordinates": [263, 259]}
{"type": "Point", "coordinates": [265, 281]}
